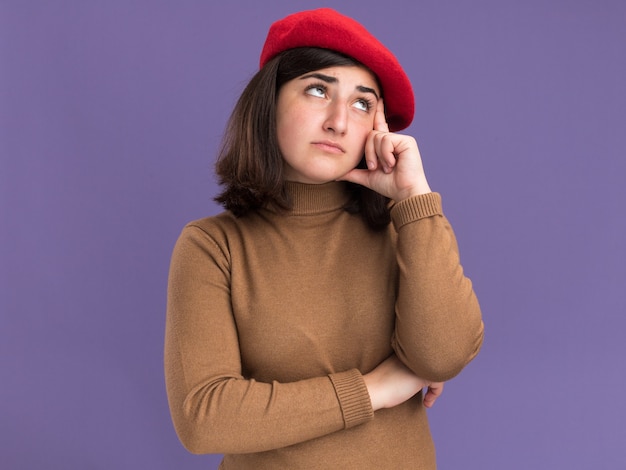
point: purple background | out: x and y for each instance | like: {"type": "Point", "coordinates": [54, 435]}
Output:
{"type": "Point", "coordinates": [110, 115]}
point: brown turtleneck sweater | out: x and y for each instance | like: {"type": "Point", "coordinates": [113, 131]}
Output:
{"type": "Point", "coordinates": [272, 319]}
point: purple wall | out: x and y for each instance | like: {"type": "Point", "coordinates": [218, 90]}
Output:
{"type": "Point", "coordinates": [110, 114]}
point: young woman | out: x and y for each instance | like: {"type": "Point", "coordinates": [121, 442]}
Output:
{"type": "Point", "coordinates": [305, 320]}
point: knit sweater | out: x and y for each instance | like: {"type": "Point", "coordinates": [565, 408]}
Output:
{"type": "Point", "coordinates": [274, 317]}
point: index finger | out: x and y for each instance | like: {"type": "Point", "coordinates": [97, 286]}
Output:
{"type": "Point", "coordinates": [380, 122]}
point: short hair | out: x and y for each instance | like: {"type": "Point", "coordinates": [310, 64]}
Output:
{"type": "Point", "coordinates": [250, 165]}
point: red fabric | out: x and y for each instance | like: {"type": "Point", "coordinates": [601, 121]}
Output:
{"type": "Point", "coordinates": [329, 29]}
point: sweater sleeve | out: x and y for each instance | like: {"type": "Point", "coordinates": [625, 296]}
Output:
{"type": "Point", "coordinates": [214, 408]}
{"type": "Point", "coordinates": [439, 329]}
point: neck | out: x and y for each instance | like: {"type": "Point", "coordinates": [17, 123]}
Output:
{"type": "Point", "coordinates": [315, 198]}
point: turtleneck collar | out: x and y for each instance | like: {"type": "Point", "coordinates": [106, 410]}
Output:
{"type": "Point", "coordinates": [309, 199]}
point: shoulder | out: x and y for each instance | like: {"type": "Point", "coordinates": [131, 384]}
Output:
{"type": "Point", "coordinates": [209, 234]}
{"type": "Point", "coordinates": [224, 222]}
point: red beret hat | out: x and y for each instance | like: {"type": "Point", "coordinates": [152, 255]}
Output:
{"type": "Point", "coordinates": [328, 29]}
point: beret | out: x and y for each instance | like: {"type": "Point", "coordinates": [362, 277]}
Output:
{"type": "Point", "coordinates": [328, 29]}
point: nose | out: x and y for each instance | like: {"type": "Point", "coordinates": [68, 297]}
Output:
{"type": "Point", "coordinates": [337, 118]}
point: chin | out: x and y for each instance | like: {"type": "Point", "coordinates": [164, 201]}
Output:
{"type": "Point", "coordinates": [316, 174]}
{"type": "Point", "coordinates": [324, 179]}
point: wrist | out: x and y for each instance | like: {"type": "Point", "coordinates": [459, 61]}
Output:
{"type": "Point", "coordinates": [373, 388]}
{"type": "Point", "coordinates": [418, 186]}
{"type": "Point", "coordinates": [417, 190]}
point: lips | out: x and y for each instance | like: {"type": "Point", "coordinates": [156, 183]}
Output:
{"type": "Point", "coordinates": [329, 146]}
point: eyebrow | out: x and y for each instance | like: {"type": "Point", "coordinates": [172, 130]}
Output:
{"type": "Point", "coordinates": [329, 79]}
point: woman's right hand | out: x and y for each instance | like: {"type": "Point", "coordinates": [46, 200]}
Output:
{"type": "Point", "coordinates": [392, 383]}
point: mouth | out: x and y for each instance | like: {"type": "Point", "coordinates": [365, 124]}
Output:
{"type": "Point", "coordinates": [328, 146]}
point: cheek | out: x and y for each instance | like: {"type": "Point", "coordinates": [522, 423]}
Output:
{"type": "Point", "coordinates": [283, 127]}
{"type": "Point", "coordinates": [288, 120]}
{"type": "Point", "coordinates": [363, 134]}
{"type": "Point", "coordinates": [287, 134]}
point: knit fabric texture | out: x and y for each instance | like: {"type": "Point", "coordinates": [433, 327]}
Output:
{"type": "Point", "coordinates": [274, 317]}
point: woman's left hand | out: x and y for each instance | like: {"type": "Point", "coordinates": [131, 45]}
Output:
{"type": "Point", "coordinates": [394, 164]}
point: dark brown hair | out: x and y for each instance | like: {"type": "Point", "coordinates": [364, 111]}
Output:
{"type": "Point", "coordinates": [250, 165]}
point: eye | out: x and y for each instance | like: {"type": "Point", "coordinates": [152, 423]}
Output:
{"type": "Point", "coordinates": [316, 90]}
{"type": "Point", "coordinates": [363, 104]}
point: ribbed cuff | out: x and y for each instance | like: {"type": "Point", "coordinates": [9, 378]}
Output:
{"type": "Point", "coordinates": [353, 396]}
{"type": "Point", "coordinates": [415, 208]}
